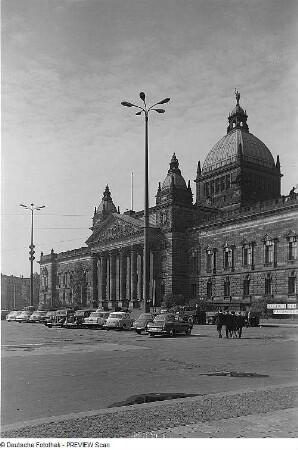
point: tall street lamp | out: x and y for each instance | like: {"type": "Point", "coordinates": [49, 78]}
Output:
{"type": "Point", "coordinates": [32, 208]}
{"type": "Point", "coordinates": [144, 109]}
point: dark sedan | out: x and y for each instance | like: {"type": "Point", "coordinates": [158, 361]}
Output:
{"type": "Point", "coordinates": [142, 322]}
{"type": "Point", "coordinates": [169, 324]}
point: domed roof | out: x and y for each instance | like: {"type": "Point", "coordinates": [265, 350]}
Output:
{"type": "Point", "coordinates": [225, 151]}
{"type": "Point", "coordinates": [174, 176]}
{"type": "Point", "coordinates": [237, 110]}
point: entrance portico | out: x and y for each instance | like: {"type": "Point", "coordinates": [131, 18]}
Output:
{"type": "Point", "coordinates": [119, 276]}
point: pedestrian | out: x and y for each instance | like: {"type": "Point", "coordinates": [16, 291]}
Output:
{"type": "Point", "coordinates": [239, 324]}
{"type": "Point", "coordinates": [228, 323]}
{"type": "Point", "coordinates": [233, 325]}
{"type": "Point", "coordinates": [248, 318]}
{"type": "Point", "coordinates": [219, 321]}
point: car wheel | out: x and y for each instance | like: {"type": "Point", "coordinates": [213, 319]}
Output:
{"type": "Point", "coordinates": [151, 334]}
{"type": "Point", "coordinates": [188, 331]}
{"type": "Point", "coordinates": [138, 331]}
{"type": "Point", "coordinates": [171, 333]}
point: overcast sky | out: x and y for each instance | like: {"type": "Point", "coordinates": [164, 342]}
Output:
{"type": "Point", "coordinates": [68, 64]}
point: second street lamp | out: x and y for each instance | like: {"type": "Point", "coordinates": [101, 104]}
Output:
{"type": "Point", "coordinates": [32, 208]}
{"type": "Point", "coordinates": [145, 110]}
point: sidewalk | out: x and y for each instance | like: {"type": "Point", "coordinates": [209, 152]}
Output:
{"type": "Point", "coordinates": [276, 424]}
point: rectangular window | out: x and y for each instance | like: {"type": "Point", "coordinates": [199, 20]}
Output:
{"type": "Point", "coordinates": [214, 261]}
{"type": "Point", "coordinates": [269, 253]}
{"type": "Point", "coordinates": [217, 184]}
{"type": "Point", "coordinates": [268, 286]}
{"type": "Point", "coordinates": [209, 289]}
{"type": "Point", "coordinates": [193, 290]}
{"type": "Point", "coordinates": [292, 250]}
{"type": "Point", "coordinates": [228, 181]}
{"type": "Point", "coordinates": [292, 285]}
{"type": "Point", "coordinates": [222, 183]}
{"type": "Point", "coordinates": [228, 258]}
{"type": "Point", "coordinates": [209, 261]}
{"type": "Point", "coordinates": [212, 187]}
{"type": "Point", "coordinates": [227, 291]}
{"type": "Point", "coordinates": [246, 284]}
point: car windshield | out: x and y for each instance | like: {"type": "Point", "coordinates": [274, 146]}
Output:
{"type": "Point", "coordinates": [95, 314]}
{"type": "Point", "coordinates": [145, 316]}
{"type": "Point", "coordinates": [164, 317]}
{"type": "Point", "coordinates": [117, 315]}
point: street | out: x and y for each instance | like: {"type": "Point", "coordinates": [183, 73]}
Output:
{"type": "Point", "coordinates": [49, 372]}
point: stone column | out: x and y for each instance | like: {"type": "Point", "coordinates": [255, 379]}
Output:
{"type": "Point", "coordinates": [102, 278]}
{"type": "Point", "coordinates": [133, 274]}
{"type": "Point", "coordinates": [108, 294]}
{"type": "Point", "coordinates": [122, 278]}
{"type": "Point", "coordinates": [140, 277]}
{"type": "Point", "coordinates": [151, 258]}
{"type": "Point", "coordinates": [112, 277]}
{"type": "Point", "coordinates": [117, 263]}
{"type": "Point", "coordinates": [94, 295]}
{"type": "Point", "coordinates": [128, 277]}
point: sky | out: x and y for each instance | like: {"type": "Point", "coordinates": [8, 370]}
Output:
{"type": "Point", "coordinates": [68, 64]}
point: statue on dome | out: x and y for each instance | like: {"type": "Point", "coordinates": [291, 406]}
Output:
{"type": "Point", "coordinates": [237, 96]}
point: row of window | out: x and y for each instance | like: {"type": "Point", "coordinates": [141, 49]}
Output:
{"type": "Point", "coordinates": [223, 183]}
{"type": "Point", "coordinates": [248, 255]}
{"type": "Point", "coordinates": [218, 185]}
{"type": "Point", "coordinates": [246, 288]}
{"type": "Point", "coordinates": [66, 279]}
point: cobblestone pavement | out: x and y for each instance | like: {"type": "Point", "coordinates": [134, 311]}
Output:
{"type": "Point", "coordinates": [276, 424]}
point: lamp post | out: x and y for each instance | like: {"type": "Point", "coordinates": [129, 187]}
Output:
{"type": "Point", "coordinates": [144, 109]}
{"type": "Point", "coordinates": [32, 208]}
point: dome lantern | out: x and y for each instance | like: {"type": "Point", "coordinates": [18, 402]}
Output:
{"type": "Point", "coordinates": [238, 117]}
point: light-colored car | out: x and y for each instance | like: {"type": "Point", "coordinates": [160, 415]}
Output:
{"type": "Point", "coordinates": [142, 321]}
{"type": "Point", "coordinates": [37, 317]}
{"type": "Point", "coordinates": [97, 319]}
{"type": "Point", "coordinates": [119, 320]}
{"type": "Point", "coordinates": [24, 316]}
{"type": "Point", "coordinates": [11, 317]}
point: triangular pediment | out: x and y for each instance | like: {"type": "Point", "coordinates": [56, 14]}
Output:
{"type": "Point", "coordinates": [116, 226]}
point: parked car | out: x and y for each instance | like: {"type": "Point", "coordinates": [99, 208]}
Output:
{"type": "Point", "coordinates": [24, 316]}
{"type": "Point", "coordinates": [169, 324]}
{"type": "Point", "coordinates": [11, 317]}
{"type": "Point", "coordinates": [37, 317]}
{"type": "Point", "coordinates": [76, 320]}
{"type": "Point", "coordinates": [4, 313]}
{"type": "Point", "coordinates": [142, 322]}
{"type": "Point", "coordinates": [97, 319]}
{"type": "Point", "coordinates": [49, 316]}
{"type": "Point", "coordinates": [119, 320]}
{"type": "Point", "coordinates": [59, 318]}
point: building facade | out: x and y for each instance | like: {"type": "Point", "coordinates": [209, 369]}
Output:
{"type": "Point", "coordinates": [234, 245]}
{"type": "Point", "coordinates": [15, 292]}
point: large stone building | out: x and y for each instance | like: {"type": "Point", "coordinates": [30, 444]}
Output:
{"type": "Point", "coordinates": [235, 245]}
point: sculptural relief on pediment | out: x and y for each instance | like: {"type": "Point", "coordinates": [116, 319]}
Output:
{"type": "Point", "coordinates": [117, 230]}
